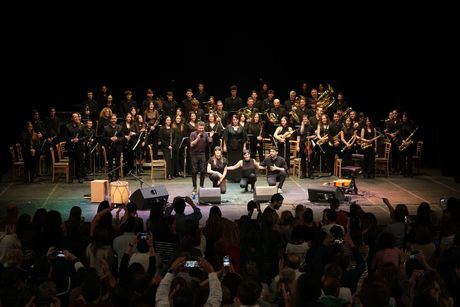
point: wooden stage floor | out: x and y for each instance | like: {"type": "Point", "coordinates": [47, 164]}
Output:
{"type": "Point", "coordinates": [427, 187]}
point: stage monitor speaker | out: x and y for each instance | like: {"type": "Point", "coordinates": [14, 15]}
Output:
{"type": "Point", "coordinates": [264, 193]}
{"type": "Point", "coordinates": [209, 195]}
{"type": "Point", "coordinates": [145, 198]}
{"type": "Point", "coordinates": [325, 193]}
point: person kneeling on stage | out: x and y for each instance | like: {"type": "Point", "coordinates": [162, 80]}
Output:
{"type": "Point", "coordinates": [217, 170]}
{"type": "Point", "coordinates": [248, 170]}
{"type": "Point", "coordinates": [276, 169]}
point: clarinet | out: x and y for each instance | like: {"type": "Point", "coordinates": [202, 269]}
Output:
{"type": "Point", "coordinates": [73, 146]}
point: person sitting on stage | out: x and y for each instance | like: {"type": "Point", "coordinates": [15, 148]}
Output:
{"type": "Point", "coordinates": [217, 170]}
{"type": "Point", "coordinates": [248, 170]}
{"type": "Point", "coordinates": [198, 141]}
{"type": "Point", "coordinates": [276, 169]}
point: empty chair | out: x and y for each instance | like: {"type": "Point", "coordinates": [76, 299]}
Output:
{"type": "Point", "coordinates": [57, 167]}
{"type": "Point", "coordinates": [156, 164]}
{"type": "Point", "coordinates": [382, 164]}
{"type": "Point", "coordinates": [16, 165]}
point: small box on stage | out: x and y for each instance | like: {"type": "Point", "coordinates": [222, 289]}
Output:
{"type": "Point", "coordinates": [99, 190]}
{"type": "Point", "coordinates": [209, 195]}
{"type": "Point", "coordinates": [145, 198]}
{"type": "Point", "coordinates": [322, 193]}
{"type": "Point", "coordinates": [264, 193]}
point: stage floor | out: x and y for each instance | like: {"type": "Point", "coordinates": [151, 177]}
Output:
{"type": "Point", "coordinates": [428, 187]}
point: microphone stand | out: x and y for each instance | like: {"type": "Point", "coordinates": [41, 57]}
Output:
{"type": "Point", "coordinates": [138, 179]}
{"type": "Point", "coordinates": [117, 168]}
{"type": "Point", "coordinates": [185, 154]}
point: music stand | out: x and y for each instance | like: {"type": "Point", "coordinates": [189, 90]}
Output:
{"type": "Point", "coordinates": [185, 155]}
{"type": "Point", "coordinates": [321, 153]}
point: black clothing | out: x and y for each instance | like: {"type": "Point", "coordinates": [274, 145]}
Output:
{"type": "Point", "coordinates": [29, 142]}
{"type": "Point", "coordinates": [202, 96]}
{"type": "Point", "coordinates": [75, 149]}
{"type": "Point", "coordinates": [347, 152]}
{"type": "Point", "coordinates": [113, 148]}
{"type": "Point", "coordinates": [219, 166]}
{"type": "Point", "coordinates": [234, 138]}
{"type": "Point", "coordinates": [305, 163]}
{"type": "Point", "coordinates": [275, 176]}
{"type": "Point", "coordinates": [126, 107]}
{"type": "Point", "coordinates": [169, 137]}
{"type": "Point", "coordinates": [254, 130]}
{"type": "Point", "coordinates": [248, 174]}
{"type": "Point", "coordinates": [233, 104]}
{"type": "Point", "coordinates": [369, 154]}
{"type": "Point", "coordinates": [92, 107]}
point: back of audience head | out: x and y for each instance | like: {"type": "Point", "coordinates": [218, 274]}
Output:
{"type": "Point", "coordinates": [179, 205]}
{"type": "Point", "coordinates": [249, 291]}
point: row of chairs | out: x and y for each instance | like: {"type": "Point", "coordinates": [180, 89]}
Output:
{"type": "Point", "coordinates": [382, 164]}
{"type": "Point", "coordinates": [61, 163]}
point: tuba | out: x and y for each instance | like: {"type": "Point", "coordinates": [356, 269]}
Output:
{"type": "Point", "coordinates": [295, 120]}
{"type": "Point", "coordinates": [326, 99]}
{"type": "Point", "coordinates": [247, 113]}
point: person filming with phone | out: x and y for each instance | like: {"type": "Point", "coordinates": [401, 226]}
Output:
{"type": "Point", "coordinates": [178, 206]}
{"type": "Point", "coordinates": [183, 295]}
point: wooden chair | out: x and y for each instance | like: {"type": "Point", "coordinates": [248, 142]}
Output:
{"type": "Point", "coordinates": [417, 159]}
{"type": "Point", "coordinates": [382, 164]}
{"type": "Point", "coordinates": [61, 149]}
{"type": "Point", "coordinates": [16, 165]}
{"type": "Point", "coordinates": [293, 152]}
{"type": "Point", "coordinates": [156, 164]}
{"type": "Point", "coordinates": [19, 152]}
{"type": "Point", "coordinates": [338, 168]}
{"type": "Point", "coordinates": [58, 166]}
{"type": "Point", "coordinates": [268, 143]}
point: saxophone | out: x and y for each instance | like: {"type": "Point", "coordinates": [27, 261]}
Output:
{"type": "Point", "coordinates": [407, 141]}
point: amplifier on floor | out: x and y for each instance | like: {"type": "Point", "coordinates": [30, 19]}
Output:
{"type": "Point", "coordinates": [320, 193]}
{"type": "Point", "coordinates": [264, 193]}
{"type": "Point", "coordinates": [145, 198]}
{"type": "Point", "coordinates": [209, 195]}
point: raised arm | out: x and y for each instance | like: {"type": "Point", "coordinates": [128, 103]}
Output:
{"type": "Point", "coordinates": [234, 167]}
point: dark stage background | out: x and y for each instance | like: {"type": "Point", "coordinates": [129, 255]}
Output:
{"type": "Point", "coordinates": [55, 52]}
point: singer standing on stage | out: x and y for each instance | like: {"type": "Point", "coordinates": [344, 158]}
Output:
{"type": "Point", "coordinates": [199, 140]}
{"type": "Point", "coordinates": [168, 138]}
{"type": "Point", "coordinates": [75, 137]}
{"type": "Point", "coordinates": [114, 139]}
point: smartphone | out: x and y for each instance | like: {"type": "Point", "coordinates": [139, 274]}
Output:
{"type": "Point", "coordinates": [191, 264]}
{"type": "Point", "coordinates": [143, 235]}
{"type": "Point", "coordinates": [415, 255]}
{"type": "Point", "coordinates": [226, 261]}
{"type": "Point", "coordinates": [59, 253]}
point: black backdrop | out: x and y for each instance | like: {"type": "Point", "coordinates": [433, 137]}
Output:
{"type": "Point", "coordinates": [55, 52]}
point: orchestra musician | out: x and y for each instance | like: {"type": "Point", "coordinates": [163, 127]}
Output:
{"type": "Point", "coordinates": [221, 115]}
{"type": "Point", "coordinates": [335, 129]}
{"type": "Point", "coordinates": [169, 138]}
{"type": "Point", "coordinates": [212, 125]}
{"type": "Point", "coordinates": [113, 138]}
{"type": "Point", "coordinates": [170, 105]}
{"type": "Point", "coordinates": [127, 103]}
{"type": "Point", "coordinates": [141, 129]}
{"type": "Point", "coordinates": [217, 170]}
{"type": "Point", "coordinates": [306, 133]}
{"type": "Point", "coordinates": [290, 102]}
{"type": "Point", "coordinates": [201, 95]}
{"type": "Point", "coordinates": [250, 110]}
{"type": "Point", "coordinates": [233, 103]}
{"type": "Point", "coordinates": [104, 119]}
{"type": "Point", "coordinates": [183, 134]}
{"type": "Point", "coordinates": [299, 112]}
{"type": "Point", "coordinates": [200, 116]}
{"type": "Point", "coordinates": [256, 136]}
{"type": "Point", "coordinates": [274, 116]}
{"type": "Point", "coordinates": [75, 137]}
{"type": "Point", "coordinates": [322, 134]}
{"type": "Point", "coordinates": [90, 140]}
{"type": "Point", "coordinates": [89, 106]}
{"type": "Point", "coordinates": [29, 147]}
{"type": "Point", "coordinates": [235, 139]}
{"type": "Point", "coordinates": [152, 119]}
{"type": "Point", "coordinates": [248, 170]}
{"type": "Point", "coordinates": [283, 136]}
{"type": "Point", "coordinates": [392, 131]}
{"type": "Point", "coordinates": [128, 129]}
{"type": "Point", "coordinates": [348, 137]}
{"type": "Point", "coordinates": [186, 104]}
{"type": "Point", "coordinates": [369, 137]}
{"type": "Point", "coordinates": [407, 129]}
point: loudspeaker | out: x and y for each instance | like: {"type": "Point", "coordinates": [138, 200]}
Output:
{"type": "Point", "coordinates": [324, 193]}
{"type": "Point", "coordinates": [209, 195]}
{"type": "Point", "coordinates": [264, 193]}
{"type": "Point", "coordinates": [147, 197]}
